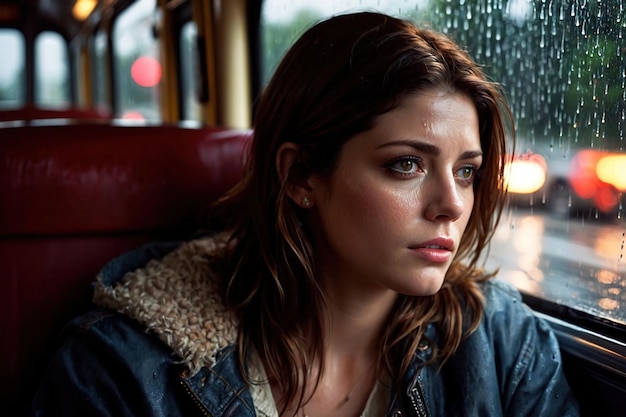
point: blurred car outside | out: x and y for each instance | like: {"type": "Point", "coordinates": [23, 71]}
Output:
{"type": "Point", "coordinates": [583, 182]}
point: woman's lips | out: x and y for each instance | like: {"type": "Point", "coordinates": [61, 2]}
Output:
{"type": "Point", "coordinates": [437, 250]}
{"type": "Point", "coordinates": [430, 254]}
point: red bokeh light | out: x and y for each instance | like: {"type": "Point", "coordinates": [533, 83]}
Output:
{"type": "Point", "coordinates": [146, 71]}
{"type": "Point", "coordinates": [133, 115]}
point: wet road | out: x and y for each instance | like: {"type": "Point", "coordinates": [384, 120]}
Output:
{"type": "Point", "coordinates": [578, 263]}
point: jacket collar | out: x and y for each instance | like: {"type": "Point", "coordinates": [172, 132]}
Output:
{"type": "Point", "coordinates": [176, 296]}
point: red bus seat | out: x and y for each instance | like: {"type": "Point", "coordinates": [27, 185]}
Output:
{"type": "Point", "coordinates": [31, 112]}
{"type": "Point", "coordinates": [73, 196]}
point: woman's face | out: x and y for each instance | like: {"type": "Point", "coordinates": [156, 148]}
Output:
{"type": "Point", "coordinates": [392, 214]}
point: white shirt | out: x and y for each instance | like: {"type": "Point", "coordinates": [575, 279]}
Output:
{"type": "Point", "coordinates": [265, 406]}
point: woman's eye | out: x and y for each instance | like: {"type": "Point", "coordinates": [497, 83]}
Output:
{"type": "Point", "coordinates": [405, 165]}
{"type": "Point", "coordinates": [466, 173]}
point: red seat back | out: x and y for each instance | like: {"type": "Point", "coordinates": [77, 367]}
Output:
{"type": "Point", "coordinates": [73, 196]}
{"type": "Point", "coordinates": [31, 112]}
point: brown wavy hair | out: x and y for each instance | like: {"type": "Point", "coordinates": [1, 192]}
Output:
{"type": "Point", "coordinates": [332, 84]}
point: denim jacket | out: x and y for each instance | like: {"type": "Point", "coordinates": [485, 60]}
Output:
{"type": "Point", "coordinates": [162, 344]}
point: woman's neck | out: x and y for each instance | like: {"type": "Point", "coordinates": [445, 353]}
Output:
{"type": "Point", "coordinates": [356, 319]}
{"type": "Point", "coordinates": [353, 328]}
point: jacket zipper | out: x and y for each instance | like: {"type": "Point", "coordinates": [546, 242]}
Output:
{"type": "Point", "coordinates": [196, 400]}
{"type": "Point", "coordinates": [417, 399]}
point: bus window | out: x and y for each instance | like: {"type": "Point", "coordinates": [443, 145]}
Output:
{"type": "Point", "coordinates": [282, 22]}
{"type": "Point", "coordinates": [12, 70]}
{"type": "Point", "coordinates": [191, 109]}
{"type": "Point", "coordinates": [137, 69]}
{"type": "Point", "coordinates": [562, 65]}
{"type": "Point", "coordinates": [52, 87]}
{"type": "Point", "coordinates": [100, 82]}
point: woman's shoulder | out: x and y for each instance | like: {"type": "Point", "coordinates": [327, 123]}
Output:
{"type": "Point", "coordinates": [524, 350]}
{"type": "Point", "coordinates": [508, 322]}
{"type": "Point", "coordinates": [507, 318]}
{"type": "Point", "coordinates": [501, 297]}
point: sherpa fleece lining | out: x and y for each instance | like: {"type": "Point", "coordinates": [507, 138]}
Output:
{"type": "Point", "coordinates": [178, 299]}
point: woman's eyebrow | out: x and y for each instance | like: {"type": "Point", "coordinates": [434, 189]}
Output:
{"type": "Point", "coordinates": [471, 154]}
{"type": "Point", "coordinates": [426, 148]}
{"type": "Point", "coordinates": [429, 148]}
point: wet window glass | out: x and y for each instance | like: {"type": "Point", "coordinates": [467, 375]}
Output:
{"type": "Point", "coordinates": [137, 68]}
{"type": "Point", "coordinates": [52, 70]}
{"type": "Point", "coordinates": [191, 108]}
{"type": "Point", "coordinates": [563, 66]}
{"type": "Point", "coordinates": [12, 74]}
{"type": "Point", "coordinates": [99, 61]}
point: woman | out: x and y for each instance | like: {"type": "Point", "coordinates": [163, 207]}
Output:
{"type": "Point", "coordinates": [346, 282]}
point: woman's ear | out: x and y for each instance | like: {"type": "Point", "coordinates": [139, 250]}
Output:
{"type": "Point", "coordinates": [296, 186]}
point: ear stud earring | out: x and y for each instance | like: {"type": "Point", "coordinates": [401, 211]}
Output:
{"type": "Point", "coordinates": [306, 203]}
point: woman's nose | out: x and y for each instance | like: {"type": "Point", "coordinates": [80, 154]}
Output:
{"type": "Point", "coordinates": [444, 200]}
